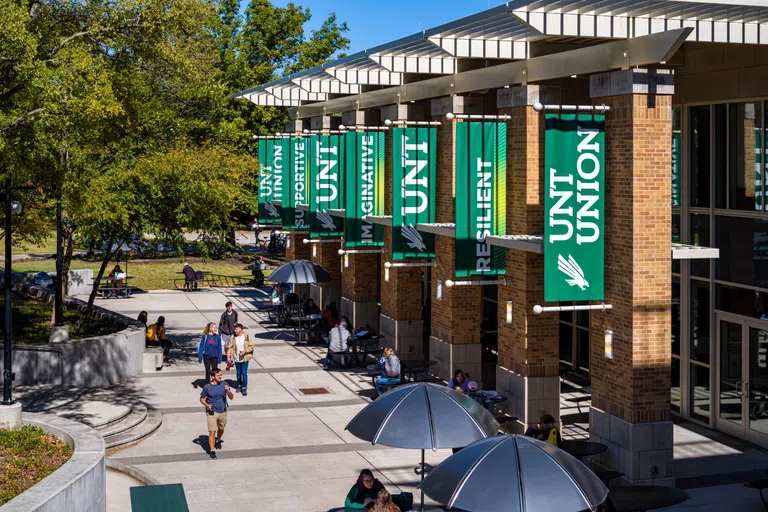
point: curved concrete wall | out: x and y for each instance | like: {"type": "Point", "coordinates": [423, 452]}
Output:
{"type": "Point", "coordinates": [88, 362]}
{"type": "Point", "coordinates": [80, 484]}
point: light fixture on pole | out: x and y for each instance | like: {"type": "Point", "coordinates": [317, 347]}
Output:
{"type": "Point", "coordinates": [450, 284]}
{"type": "Point", "coordinates": [608, 338]}
{"type": "Point", "coordinates": [509, 312]}
{"type": "Point", "coordinates": [386, 274]}
{"type": "Point", "coordinates": [439, 289]}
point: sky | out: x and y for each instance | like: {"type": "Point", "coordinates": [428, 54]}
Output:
{"type": "Point", "coordinates": [374, 22]}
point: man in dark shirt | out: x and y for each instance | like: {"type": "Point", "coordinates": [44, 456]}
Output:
{"type": "Point", "coordinates": [227, 326]}
{"type": "Point", "coordinates": [214, 398]}
{"type": "Point", "coordinates": [544, 430]}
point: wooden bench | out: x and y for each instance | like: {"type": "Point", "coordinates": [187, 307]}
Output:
{"type": "Point", "coordinates": [343, 359]}
{"type": "Point", "coordinates": [108, 291]}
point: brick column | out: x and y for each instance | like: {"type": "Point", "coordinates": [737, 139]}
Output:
{"type": "Point", "coordinates": [401, 296]}
{"type": "Point", "coordinates": [630, 392]}
{"type": "Point", "coordinates": [455, 339]}
{"type": "Point", "coordinates": [527, 371]}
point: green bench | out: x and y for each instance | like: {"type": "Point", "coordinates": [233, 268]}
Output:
{"type": "Point", "coordinates": [159, 498]}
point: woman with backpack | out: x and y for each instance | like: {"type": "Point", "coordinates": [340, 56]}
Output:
{"type": "Point", "coordinates": [389, 365]}
{"type": "Point", "coordinates": [339, 342]}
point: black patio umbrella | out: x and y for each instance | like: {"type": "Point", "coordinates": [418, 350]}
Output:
{"type": "Point", "coordinates": [299, 272]}
{"type": "Point", "coordinates": [423, 416]}
{"type": "Point", "coordinates": [514, 473]}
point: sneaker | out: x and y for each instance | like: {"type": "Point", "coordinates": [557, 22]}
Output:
{"type": "Point", "coordinates": [245, 393]}
{"type": "Point", "coordinates": [217, 445]}
{"type": "Point", "coordinates": [213, 454]}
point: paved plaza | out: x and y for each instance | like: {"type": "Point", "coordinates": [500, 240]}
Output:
{"type": "Point", "coordinates": [287, 451]}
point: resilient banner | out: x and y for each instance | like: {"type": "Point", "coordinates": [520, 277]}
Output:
{"type": "Point", "coordinates": [326, 185]}
{"type": "Point", "coordinates": [295, 180]}
{"type": "Point", "coordinates": [364, 188]}
{"type": "Point", "coordinates": [481, 197]}
{"type": "Point", "coordinates": [271, 158]}
{"type": "Point", "coordinates": [414, 168]}
{"type": "Point", "coordinates": [574, 207]}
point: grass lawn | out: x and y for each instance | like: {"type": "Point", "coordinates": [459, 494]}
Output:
{"type": "Point", "coordinates": [149, 274]}
{"type": "Point", "coordinates": [26, 457]}
{"type": "Point", "coordinates": [48, 246]}
{"type": "Point", "coordinates": [32, 321]}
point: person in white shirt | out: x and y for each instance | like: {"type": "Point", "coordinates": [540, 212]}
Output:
{"type": "Point", "coordinates": [240, 352]}
{"type": "Point", "coordinates": [340, 336]}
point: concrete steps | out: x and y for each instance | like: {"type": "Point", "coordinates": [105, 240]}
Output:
{"type": "Point", "coordinates": [131, 428]}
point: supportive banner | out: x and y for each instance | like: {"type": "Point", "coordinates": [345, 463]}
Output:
{"type": "Point", "coordinates": [574, 207]}
{"type": "Point", "coordinates": [327, 185]}
{"type": "Point", "coordinates": [365, 188]}
{"type": "Point", "coordinates": [481, 197]}
{"type": "Point", "coordinates": [295, 180]}
{"type": "Point", "coordinates": [270, 181]}
{"type": "Point", "coordinates": [414, 167]}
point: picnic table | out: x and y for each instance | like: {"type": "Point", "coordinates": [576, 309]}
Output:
{"type": "Point", "coordinates": [188, 285]}
{"type": "Point", "coordinates": [313, 333]}
{"type": "Point", "coordinates": [413, 370]}
{"type": "Point", "coordinates": [362, 347]}
{"type": "Point", "coordinates": [108, 290]}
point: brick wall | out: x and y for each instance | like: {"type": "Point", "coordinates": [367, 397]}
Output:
{"type": "Point", "coordinates": [328, 258]}
{"type": "Point", "coordinates": [298, 250]}
{"type": "Point", "coordinates": [401, 297]}
{"type": "Point", "coordinates": [634, 385]}
{"type": "Point", "coordinates": [360, 280]}
{"type": "Point", "coordinates": [445, 199]}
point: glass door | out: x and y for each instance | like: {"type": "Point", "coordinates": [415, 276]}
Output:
{"type": "Point", "coordinates": [757, 387]}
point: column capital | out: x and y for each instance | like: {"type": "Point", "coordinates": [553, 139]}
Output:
{"type": "Point", "coordinates": [456, 104]}
{"type": "Point", "coordinates": [360, 117]}
{"type": "Point", "coordinates": [527, 95]}
{"type": "Point", "coordinates": [320, 123]}
{"type": "Point", "coordinates": [403, 112]}
{"type": "Point", "coordinates": [296, 125]}
{"type": "Point", "coordinates": [632, 81]}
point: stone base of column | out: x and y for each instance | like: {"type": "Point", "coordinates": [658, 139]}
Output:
{"type": "Point", "coordinates": [466, 357]}
{"type": "Point", "coordinates": [322, 295]}
{"type": "Point", "coordinates": [642, 451]}
{"type": "Point", "coordinates": [361, 313]}
{"type": "Point", "coordinates": [405, 336]}
{"type": "Point", "coordinates": [528, 397]}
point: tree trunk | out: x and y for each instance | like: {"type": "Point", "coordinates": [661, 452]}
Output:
{"type": "Point", "coordinates": [106, 257]}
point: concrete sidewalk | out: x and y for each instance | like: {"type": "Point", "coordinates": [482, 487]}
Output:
{"type": "Point", "coordinates": [283, 450]}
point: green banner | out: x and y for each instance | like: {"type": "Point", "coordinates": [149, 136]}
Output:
{"type": "Point", "coordinates": [676, 168]}
{"type": "Point", "coordinates": [327, 185]}
{"type": "Point", "coordinates": [365, 188]}
{"type": "Point", "coordinates": [574, 207]}
{"type": "Point", "coordinates": [481, 197]}
{"type": "Point", "coordinates": [270, 182]}
{"type": "Point", "coordinates": [414, 169]}
{"type": "Point", "coordinates": [295, 183]}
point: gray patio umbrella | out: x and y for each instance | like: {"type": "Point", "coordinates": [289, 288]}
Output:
{"type": "Point", "coordinates": [423, 416]}
{"type": "Point", "coordinates": [299, 272]}
{"type": "Point", "coordinates": [514, 473]}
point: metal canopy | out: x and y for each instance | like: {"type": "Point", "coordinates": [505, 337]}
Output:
{"type": "Point", "coordinates": [382, 220]}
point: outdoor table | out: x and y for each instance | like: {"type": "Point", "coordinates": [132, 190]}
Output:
{"type": "Point", "coordinates": [581, 449]}
{"type": "Point", "coordinates": [412, 369]}
{"type": "Point", "coordinates": [315, 333]}
{"type": "Point", "coordinates": [107, 287]}
{"type": "Point", "coordinates": [360, 348]}
{"type": "Point", "coordinates": [646, 497]}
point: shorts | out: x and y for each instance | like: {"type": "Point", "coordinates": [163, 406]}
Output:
{"type": "Point", "coordinates": [216, 421]}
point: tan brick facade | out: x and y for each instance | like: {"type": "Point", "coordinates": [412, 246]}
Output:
{"type": "Point", "coordinates": [328, 257]}
{"type": "Point", "coordinates": [297, 249]}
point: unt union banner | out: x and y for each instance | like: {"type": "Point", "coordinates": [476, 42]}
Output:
{"type": "Point", "coordinates": [481, 197]}
{"type": "Point", "coordinates": [574, 207]}
{"type": "Point", "coordinates": [271, 159]}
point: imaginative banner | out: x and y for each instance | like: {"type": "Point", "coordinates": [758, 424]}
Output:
{"type": "Point", "coordinates": [365, 188]}
{"type": "Point", "coordinates": [481, 197]}
{"type": "Point", "coordinates": [327, 185]}
{"type": "Point", "coordinates": [270, 181]}
{"type": "Point", "coordinates": [414, 168]}
{"type": "Point", "coordinates": [574, 207]}
{"type": "Point", "coordinates": [295, 183]}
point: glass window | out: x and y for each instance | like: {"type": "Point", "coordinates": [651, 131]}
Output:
{"type": "Point", "coordinates": [676, 160]}
{"type": "Point", "coordinates": [675, 391]}
{"type": "Point", "coordinates": [744, 161]}
{"type": "Point", "coordinates": [700, 158]}
{"type": "Point", "coordinates": [741, 301]}
{"type": "Point", "coordinates": [582, 319]}
{"type": "Point", "coordinates": [676, 316]}
{"type": "Point", "coordinates": [699, 392]}
{"type": "Point", "coordinates": [699, 349]}
{"type": "Point", "coordinates": [743, 247]}
{"type": "Point", "coordinates": [566, 316]}
{"type": "Point", "coordinates": [566, 344]}
{"type": "Point", "coordinates": [582, 348]}
{"type": "Point", "coordinates": [721, 156]}
{"type": "Point", "coordinates": [700, 236]}
{"type": "Point", "coordinates": [676, 238]}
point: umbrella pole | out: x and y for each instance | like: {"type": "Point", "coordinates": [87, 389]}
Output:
{"type": "Point", "coordinates": [422, 479]}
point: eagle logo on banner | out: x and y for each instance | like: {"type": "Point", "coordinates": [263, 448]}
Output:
{"type": "Point", "coordinates": [414, 238]}
{"type": "Point", "coordinates": [326, 221]}
{"type": "Point", "coordinates": [572, 269]}
{"type": "Point", "coordinates": [271, 210]}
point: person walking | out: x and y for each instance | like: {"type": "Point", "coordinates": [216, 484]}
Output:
{"type": "Point", "coordinates": [209, 350]}
{"type": "Point", "coordinates": [214, 398]}
{"type": "Point", "coordinates": [227, 326]}
{"type": "Point", "coordinates": [240, 351]}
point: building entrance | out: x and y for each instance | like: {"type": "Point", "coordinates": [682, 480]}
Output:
{"type": "Point", "coordinates": [742, 378]}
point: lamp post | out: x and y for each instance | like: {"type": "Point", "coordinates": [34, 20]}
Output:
{"type": "Point", "coordinates": [7, 351]}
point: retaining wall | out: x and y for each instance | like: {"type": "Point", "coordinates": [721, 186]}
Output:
{"type": "Point", "coordinates": [80, 484]}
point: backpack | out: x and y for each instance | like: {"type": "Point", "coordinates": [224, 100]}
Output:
{"type": "Point", "coordinates": [552, 439]}
{"type": "Point", "coordinates": [392, 366]}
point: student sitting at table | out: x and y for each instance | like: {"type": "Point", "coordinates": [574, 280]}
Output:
{"type": "Point", "coordinates": [331, 315]}
{"type": "Point", "coordinates": [459, 380]}
{"type": "Point", "coordinates": [389, 365]}
{"type": "Point", "coordinates": [338, 341]}
{"type": "Point", "coordinates": [365, 491]}
{"type": "Point", "coordinates": [118, 276]}
{"type": "Point", "coordinates": [545, 430]}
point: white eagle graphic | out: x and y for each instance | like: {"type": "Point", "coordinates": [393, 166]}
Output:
{"type": "Point", "coordinates": [271, 210]}
{"type": "Point", "coordinates": [572, 270]}
{"type": "Point", "coordinates": [414, 238]}
{"type": "Point", "coordinates": [326, 221]}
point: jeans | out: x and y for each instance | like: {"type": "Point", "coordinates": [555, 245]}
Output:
{"type": "Point", "coordinates": [210, 363]}
{"type": "Point", "coordinates": [385, 381]}
{"type": "Point", "coordinates": [329, 358]}
{"type": "Point", "coordinates": [242, 375]}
